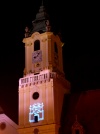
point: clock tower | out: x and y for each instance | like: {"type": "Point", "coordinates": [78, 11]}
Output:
{"type": "Point", "coordinates": [43, 86]}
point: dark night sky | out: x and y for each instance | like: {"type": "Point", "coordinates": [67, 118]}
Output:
{"type": "Point", "coordinates": [78, 23]}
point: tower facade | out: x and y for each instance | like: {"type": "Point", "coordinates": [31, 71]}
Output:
{"type": "Point", "coordinates": [43, 86]}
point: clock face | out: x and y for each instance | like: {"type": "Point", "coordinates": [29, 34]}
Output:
{"type": "Point", "coordinates": [37, 56]}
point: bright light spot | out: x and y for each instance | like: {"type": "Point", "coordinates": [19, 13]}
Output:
{"type": "Point", "coordinates": [36, 110]}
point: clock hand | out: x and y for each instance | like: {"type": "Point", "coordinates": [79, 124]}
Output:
{"type": "Point", "coordinates": [38, 53]}
{"type": "Point", "coordinates": [36, 56]}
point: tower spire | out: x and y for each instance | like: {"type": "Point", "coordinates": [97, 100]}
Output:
{"type": "Point", "coordinates": [40, 23]}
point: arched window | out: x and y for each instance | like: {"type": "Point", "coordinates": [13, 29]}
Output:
{"type": "Point", "coordinates": [36, 45]}
{"type": "Point", "coordinates": [55, 47]}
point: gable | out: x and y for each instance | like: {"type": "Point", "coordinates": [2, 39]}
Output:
{"type": "Point", "coordinates": [87, 107]}
{"type": "Point", "coordinates": [7, 125]}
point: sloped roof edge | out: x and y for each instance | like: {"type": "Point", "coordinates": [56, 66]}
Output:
{"type": "Point", "coordinates": [8, 120]}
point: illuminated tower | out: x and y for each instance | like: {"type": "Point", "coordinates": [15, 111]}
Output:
{"type": "Point", "coordinates": [43, 86]}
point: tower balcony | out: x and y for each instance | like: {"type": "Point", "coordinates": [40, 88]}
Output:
{"type": "Point", "coordinates": [32, 78]}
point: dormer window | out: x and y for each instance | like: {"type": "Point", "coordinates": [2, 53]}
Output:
{"type": "Point", "coordinates": [36, 45]}
{"type": "Point", "coordinates": [77, 128]}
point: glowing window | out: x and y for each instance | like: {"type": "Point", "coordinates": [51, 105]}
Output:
{"type": "Point", "coordinates": [36, 112]}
